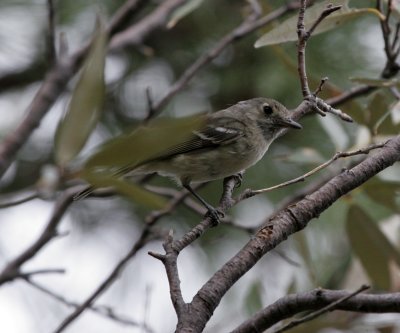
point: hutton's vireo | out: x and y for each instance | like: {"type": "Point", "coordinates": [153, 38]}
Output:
{"type": "Point", "coordinates": [231, 140]}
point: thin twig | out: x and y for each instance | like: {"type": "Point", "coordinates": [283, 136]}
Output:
{"type": "Point", "coordinates": [302, 37]}
{"type": "Point", "coordinates": [170, 262]}
{"type": "Point", "coordinates": [320, 86]}
{"type": "Point", "coordinates": [301, 45]}
{"type": "Point", "coordinates": [124, 13]}
{"type": "Point", "coordinates": [150, 103]}
{"type": "Point", "coordinates": [250, 193]}
{"type": "Point", "coordinates": [51, 42]}
{"type": "Point", "coordinates": [325, 107]}
{"type": "Point", "coordinates": [57, 79]}
{"type": "Point", "coordinates": [27, 275]}
{"type": "Point", "coordinates": [325, 13]}
{"type": "Point", "coordinates": [16, 202]}
{"type": "Point", "coordinates": [12, 269]}
{"type": "Point", "coordinates": [350, 94]}
{"type": "Point", "coordinates": [108, 281]}
{"type": "Point", "coordinates": [100, 310]}
{"type": "Point", "coordinates": [250, 24]}
{"type": "Point", "coordinates": [320, 312]}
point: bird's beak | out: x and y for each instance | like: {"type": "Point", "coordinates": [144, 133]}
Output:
{"type": "Point", "coordinates": [291, 123]}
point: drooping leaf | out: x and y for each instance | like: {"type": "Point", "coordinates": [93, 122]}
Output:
{"type": "Point", "coordinates": [303, 248]}
{"type": "Point", "coordinates": [371, 246]}
{"type": "Point", "coordinates": [390, 124]}
{"type": "Point", "coordinates": [182, 11]}
{"type": "Point", "coordinates": [253, 300]}
{"type": "Point", "coordinates": [286, 31]}
{"type": "Point", "coordinates": [86, 103]}
{"type": "Point", "coordinates": [126, 188]}
{"type": "Point", "coordinates": [376, 109]}
{"type": "Point", "coordinates": [375, 82]}
{"type": "Point", "coordinates": [385, 193]}
{"type": "Point", "coordinates": [143, 143]}
{"type": "Point", "coordinates": [305, 155]}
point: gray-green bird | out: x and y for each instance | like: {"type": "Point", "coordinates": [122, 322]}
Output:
{"type": "Point", "coordinates": [229, 141]}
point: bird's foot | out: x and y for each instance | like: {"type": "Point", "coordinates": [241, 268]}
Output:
{"type": "Point", "coordinates": [238, 179]}
{"type": "Point", "coordinates": [215, 215]}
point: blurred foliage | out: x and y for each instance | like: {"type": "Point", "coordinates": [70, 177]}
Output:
{"type": "Point", "coordinates": [86, 103]}
{"type": "Point", "coordinates": [324, 250]}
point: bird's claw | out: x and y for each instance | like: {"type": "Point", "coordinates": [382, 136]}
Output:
{"type": "Point", "coordinates": [215, 215]}
{"type": "Point", "coordinates": [238, 179]}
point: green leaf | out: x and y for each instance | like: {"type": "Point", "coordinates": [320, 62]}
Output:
{"type": "Point", "coordinates": [182, 11]}
{"type": "Point", "coordinates": [305, 155]}
{"type": "Point", "coordinates": [287, 30]}
{"type": "Point", "coordinates": [371, 246]}
{"type": "Point", "coordinates": [129, 189]}
{"type": "Point", "coordinates": [303, 248]}
{"type": "Point", "coordinates": [390, 123]}
{"type": "Point", "coordinates": [375, 82]}
{"type": "Point", "coordinates": [143, 143]}
{"type": "Point", "coordinates": [384, 193]}
{"type": "Point", "coordinates": [376, 109]}
{"type": "Point", "coordinates": [86, 103]}
{"type": "Point", "coordinates": [253, 301]}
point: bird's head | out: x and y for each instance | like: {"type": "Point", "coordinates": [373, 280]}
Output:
{"type": "Point", "coordinates": [270, 115]}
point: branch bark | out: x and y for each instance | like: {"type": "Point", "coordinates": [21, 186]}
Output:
{"type": "Point", "coordinates": [279, 227]}
{"type": "Point", "coordinates": [293, 304]}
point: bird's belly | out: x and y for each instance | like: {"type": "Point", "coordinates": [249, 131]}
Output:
{"type": "Point", "coordinates": [211, 165]}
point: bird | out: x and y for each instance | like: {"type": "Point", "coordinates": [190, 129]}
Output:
{"type": "Point", "coordinates": [229, 141]}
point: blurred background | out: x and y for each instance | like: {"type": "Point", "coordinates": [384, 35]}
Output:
{"type": "Point", "coordinates": [99, 232]}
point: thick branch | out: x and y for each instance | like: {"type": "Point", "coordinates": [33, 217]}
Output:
{"type": "Point", "coordinates": [286, 222]}
{"type": "Point", "coordinates": [291, 305]}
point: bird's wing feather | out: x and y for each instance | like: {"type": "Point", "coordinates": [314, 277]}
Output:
{"type": "Point", "coordinates": [222, 131]}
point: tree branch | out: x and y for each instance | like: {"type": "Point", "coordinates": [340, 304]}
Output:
{"type": "Point", "coordinates": [250, 193]}
{"type": "Point", "coordinates": [293, 304]}
{"type": "Point", "coordinates": [249, 25]}
{"type": "Point", "coordinates": [286, 222]}
{"type": "Point", "coordinates": [100, 310]}
{"type": "Point", "coordinates": [13, 268]}
{"type": "Point", "coordinates": [57, 79]}
{"type": "Point", "coordinates": [332, 306]}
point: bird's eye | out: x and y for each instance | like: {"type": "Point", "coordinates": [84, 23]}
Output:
{"type": "Point", "coordinates": [267, 109]}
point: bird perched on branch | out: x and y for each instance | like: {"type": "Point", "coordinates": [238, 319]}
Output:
{"type": "Point", "coordinates": [227, 142]}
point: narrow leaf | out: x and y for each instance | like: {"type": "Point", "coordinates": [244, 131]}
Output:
{"type": "Point", "coordinates": [86, 103]}
{"type": "Point", "coordinates": [253, 301]}
{"type": "Point", "coordinates": [182, 11]}
{"type": "Point", "coordinates": [305, 155]}
{"type": "Point", "coordinates": [375, 82]}
{"type": "Point", "coordinates": [143, 143]}
{"type": "Point", "coordinates": [371, 246]}
{"type": "Point", "coordinates": [384, 193]}
{"type": "Point", "coordinates": [377, 108]}
{"type": "Point", "coordinates": [128, 189]}
{"type": "Point", "coordinates": [287, 30]}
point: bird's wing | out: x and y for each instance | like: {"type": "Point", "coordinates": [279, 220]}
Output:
{"type": "Point", "coordinates": [220, 131]}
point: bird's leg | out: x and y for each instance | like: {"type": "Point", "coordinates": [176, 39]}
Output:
{"type": "Point", "coordinates": [238, 178]}
{"type": "Point", "coordinates": [214, 213]}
